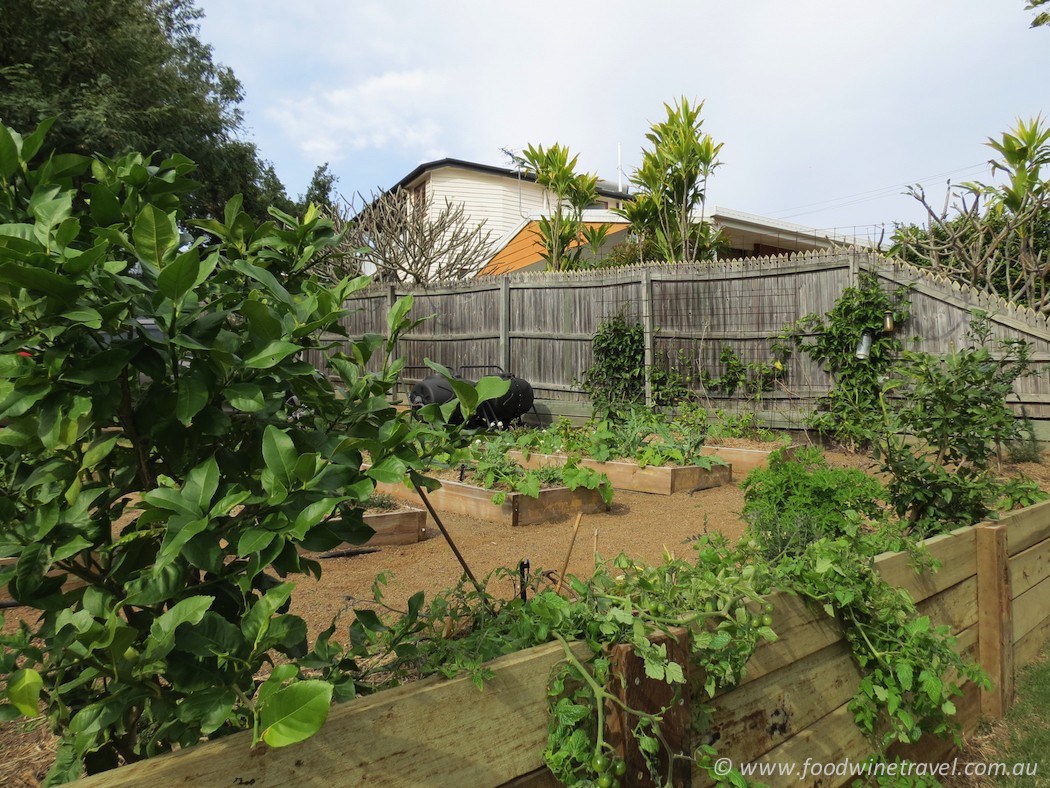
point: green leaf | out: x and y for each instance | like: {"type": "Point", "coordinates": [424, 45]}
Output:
{"type": "Point", "coordinates": [31, 143]}
{"type": "Point", "coordinates": [97, 451]}
{"type": "Point", "coordinates": [254, 540]}
{"type": "Point", "coordinates": [39, 281]}
{"type": "Point", "coordinates": [263, 320]}
{"type": "Point", "coordinates": [85, 315]}
{"type": "Point", "coordinates": [154, 235]}
{"type": "Point", "coordinates": [201, 484]}
{"type": "Point", "coordinates": [295, 713]}
{"type": "Point", "coordinates": [314, 514]}
{"type": "Point", "coordinates": [208, 708]}
{"type": "Point", "coordinates": [279, 454]}
{"type": "Point", "coordinates": [905, 675]}
{"type": "Point", "coordinates": [396, 316]}
{"type": "Point", "coordinates": [23, 689]}
{"type": "Point", "coordinates": [274, 353]}
{"type": "Point", "coordinates": [9, 158]}
{"type": "Point", "coordinates": [212, 636]}
{"type": "Point", "coordinates": [245, 397]}
{"type": "Point", "coordinates": [492, 388]}
{"type": "Point", "coordinates": [257, 621]}
{"type": "Point", "coordinates": [193, 395]}
{"type": "Point", "coordinates": [390, 470]}
{"type": "Point", "coordinates": [161, 638]}
{"type": "Point", "coordinates": [265, 278]}
{"type": "Point", "coordinates": [180, 276]}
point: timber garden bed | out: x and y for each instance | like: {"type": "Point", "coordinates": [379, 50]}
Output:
{"type": "Point", "coordinates": [515, 508]}
{"type": "Point", "coordinates": [656, 479]}
{"type": "Point", "coordinates": [404, 525]}
{"type": "Point", "coordinates": [790, 708]}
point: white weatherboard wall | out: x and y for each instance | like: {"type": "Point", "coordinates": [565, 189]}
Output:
{"type": "Point", "coordinates": [503, 202]}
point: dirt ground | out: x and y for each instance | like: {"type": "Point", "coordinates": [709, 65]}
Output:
{"type": "Point", "coordinates": [641, 525]}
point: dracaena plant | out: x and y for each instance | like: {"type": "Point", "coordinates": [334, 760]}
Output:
{"type": "Point", "coordinates": [167, 455]}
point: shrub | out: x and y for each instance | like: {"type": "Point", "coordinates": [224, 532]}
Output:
{"type": "Point", "coordinates": [166, 444]}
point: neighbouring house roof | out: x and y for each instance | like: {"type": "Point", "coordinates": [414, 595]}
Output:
{"type": "Point", "coordinates": [604, 188]}
{"type": "Point", "coordinates": [748, 235]}
{"type": "Point", "coordinates": [524, 249]}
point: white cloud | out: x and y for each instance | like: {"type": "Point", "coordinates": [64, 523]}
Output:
{"type": "Point", "coordinates": [390, 111]}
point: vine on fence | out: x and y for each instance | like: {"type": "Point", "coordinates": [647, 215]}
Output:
{"type": "Point", "coordinates": [615, 381]}
{"type": "Point", "coordinates": [850, 412]}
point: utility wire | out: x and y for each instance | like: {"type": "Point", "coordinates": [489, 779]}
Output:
{"type": "Point", "coordinates": [874, 194]}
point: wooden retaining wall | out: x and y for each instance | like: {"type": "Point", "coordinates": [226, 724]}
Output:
{"type": "Point", "coordinates": [540, 326]}
{"type": "Point", "coordinates": [993, 590]}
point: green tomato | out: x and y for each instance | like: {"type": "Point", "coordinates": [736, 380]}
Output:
{"type": "Point", "coordinates": [600, 763]}
{"type": "Point", "coordinates": [767, 620]}
{"type": "Point", "coordinates": [619, 767]}
{"type": "Point", "coordinates": [605, 781]}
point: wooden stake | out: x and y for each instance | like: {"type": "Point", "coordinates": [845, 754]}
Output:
{"type": "Point", "coordinates": [565, 567]}
{"type": "Point", "coordinates": [448, 538]}
{"type": "Point", "coordinates": [595, 552]}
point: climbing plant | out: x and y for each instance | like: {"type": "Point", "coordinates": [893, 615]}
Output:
{"type": "Point", "coordinates": [851, 410]}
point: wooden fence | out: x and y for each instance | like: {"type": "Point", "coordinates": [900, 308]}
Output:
{"type": "Point", "coordinates": [540, 326]}
{"type": "Point", "coordinates": [992, 590]}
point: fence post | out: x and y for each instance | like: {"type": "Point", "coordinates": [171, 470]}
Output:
{"type": "Point", "coordinates": [995, 636]}
{"type": "Point", "coordinates": [504, 323]}
{"type": "Point", "coordinates": [647, 333]}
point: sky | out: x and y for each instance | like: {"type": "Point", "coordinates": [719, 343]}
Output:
{"type": "Point", "coordinates": [827, 109]}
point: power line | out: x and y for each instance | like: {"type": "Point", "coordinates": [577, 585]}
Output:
{"type": "Point", "coordinates": [873, 194]}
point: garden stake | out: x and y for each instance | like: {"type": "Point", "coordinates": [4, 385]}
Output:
{"type": "Point", "coordinates": [448, 538]}
{"type": "Point", "coordinates": [523, 572]}
{"type": "Point", "coordinates": [565, 568]}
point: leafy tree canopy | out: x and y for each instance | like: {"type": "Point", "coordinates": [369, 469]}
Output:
{"type": "Point", "coordinates": [123, 75]}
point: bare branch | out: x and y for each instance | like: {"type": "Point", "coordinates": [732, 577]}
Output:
{"type": "Point", "coordinates": [400, 238]}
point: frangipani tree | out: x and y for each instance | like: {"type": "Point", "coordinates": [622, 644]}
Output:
{"type": "Point", "coordinates": [993, 237]}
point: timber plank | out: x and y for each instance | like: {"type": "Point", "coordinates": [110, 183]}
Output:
{"type": "Point", "coordinates": [957, 553]}
{"type": "Point", "coordinates": [757, 716]}
{"type": "Point", "coordinates": [388, 739]}
{"type": "Point", "coordinates": [391, 528]}
{"type": "Point", "coordinates": [744, 461]}
{"type": "Point", "coordinates": [1027, 526]}
{"type": "Point", "coordinates": [994, 617]}
{"type": "Point", "coordinates": [1029, 567]}
{"type": "Point", "coordinates": [1030, 609]}
{"type": "Point", "coordinates": [1028, 647]}
{"type": "Point", "coordinates": [955, 606]}
{"type": "Point", "coordinates": [802, 629]}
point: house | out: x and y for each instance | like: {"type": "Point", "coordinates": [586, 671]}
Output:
{"type": "Point", "coordinates": [511, 203]}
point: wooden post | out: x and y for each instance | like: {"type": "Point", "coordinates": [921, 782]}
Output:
{"type": "Point", "coordinates": [647, 333]}
{"type": "Point", "coordinates": [504, 324]}
{"type": "Point", "coordinates": [640, 692]}
{"type": "Point", "coordinates": [995, 637]}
